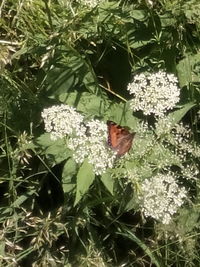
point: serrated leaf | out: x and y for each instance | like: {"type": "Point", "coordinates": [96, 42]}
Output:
{"type": "Point", "coordinates": [85, 178]}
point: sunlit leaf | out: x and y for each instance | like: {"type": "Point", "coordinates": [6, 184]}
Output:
{"type": "Point", "coordinates": [177, 115]}
{"type": "Point", "coordinates": [85, 178]}
{"type": "Point", "coordinates": [57, 150]}
{"type": "Point", "coordinates": [188, 69]}
{"type": "Point", "coordinates": [108, 181]}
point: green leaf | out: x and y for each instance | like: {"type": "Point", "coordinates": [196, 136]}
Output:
{"type": "Point", "coordinates": [55, 149]}
{"type": "Point", "coordinates": [188, 219]}
{"type": "Point", "coordinates": [167, 19]}
{"type": "Point", "coordinates": [69, 171]}
{"type": "Point", "coordinates": [44, 140]}
{"type": "Point", "coordinates": [188, 70]}
{"type": "Point", "coordinates": [85, 178]}
{"type": "Point", "coordinates": [122, 114]}
{"type": "Point", "coordinates": [86, 102]}
{"type": "Point", "coordinates": [177, 115]}
{"type": "Point", "coordinates": [61, 80]}
{"type": "Point", "coordinates": [140, 15]}
{"type": "Point", "coordinates": [108, 181]}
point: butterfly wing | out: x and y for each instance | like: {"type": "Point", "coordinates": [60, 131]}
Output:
{"type": "Point", "coordinates": [119, 138]}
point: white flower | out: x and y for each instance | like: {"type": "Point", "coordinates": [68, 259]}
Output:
{"type": "Point", "coordinates": [190, 172]}
{"type": "Point", "coordinates": [154, 93]}
{"type": "Point", "coordinates": [161, 197]}
{"type": "Point", "coordinates": [93, 146]}
{"type": "Point", "coordinates": [85, 140]}
{"type": "Point", "coordinates": [91, 3]}
{"type": "Point", "coordinates": [163, 126]}
{"type": "Point", "coordinates": [63, 120]}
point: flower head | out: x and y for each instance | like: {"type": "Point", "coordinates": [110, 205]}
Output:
{"type": "Point", "coordinates": [154, 93]}
{"type": "Point", "coordinates": [63, 120]}
{"type": "Point", "coordinates": [94, 147]}
{"type": "Point", "coordinates": [86, 140]}
{"type": "Point", "coordinates": [91, 3]}
{"type": "Point", "coordinates": [161, 196]}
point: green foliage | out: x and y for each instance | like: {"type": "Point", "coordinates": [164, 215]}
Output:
{"type": "Point", "coordinates": [54, 150]}
{"type": "Point", "coordinates": [55, 211]}
{"type": "Point", "coordinates": [85, 178]}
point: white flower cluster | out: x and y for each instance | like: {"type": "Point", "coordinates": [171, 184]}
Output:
{"type": "Point", "coordinates": [85, 140]}
{"type": "Point", "coordinates": [161, 196]}
{"type": "Point", "coordinates": [163, 126]}
{"type": "Point", "coordinates": [154, 93]}
{"type": "Point", "coordinates": [93, 146]}
{"type": "Point", "coordinates": [91, 3]}
{"type": "Point", "coordinates": [62, 120]}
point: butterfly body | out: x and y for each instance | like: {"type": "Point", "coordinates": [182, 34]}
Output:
{"type": "Point", "coordinates": [119, 138]}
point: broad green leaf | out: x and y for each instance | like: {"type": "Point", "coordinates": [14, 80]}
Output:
{"type": "Point", "coordinates": [105, 9]}
{"type": "Point", "coordinates": [56, 149]}
{"type": "Point", "coordinates": [85, 178]}
{"type": "Point", "coordinates": [140, 15]}
{"type": "Point", "coordinates": [188, 70]}
{"type": "Point", "coordinates": [61, 80]}
{"type": "Point", "coordinates": [122, 114]}
{"type": "Point", "coordinates": [130, 204]}
{"type": "Point", "coordinates": [68, 187]}
{"type": "Point", "coordinates": [86, 102]}
{"type": "Point", "coordinates": [69, 171]}
{"type": "Point", "coordinates": [44, 140]}
{"type": "Point", "coordinates": [108, 181]}
{"type": "Point", "coordinates": [177, 115]}
{"type": "Point", "coordinates": [189, 219]}
{"type": "Point", "coordinates": [167, 19]}
{"type": "Point", "coordinates": [89, 81]}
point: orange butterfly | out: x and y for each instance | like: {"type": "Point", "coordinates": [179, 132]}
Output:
{"type": "Point", "coordinates": [119, 138]}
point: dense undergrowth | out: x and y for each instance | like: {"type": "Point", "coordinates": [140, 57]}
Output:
{"type": "Point", "coordinates": [59, 210]}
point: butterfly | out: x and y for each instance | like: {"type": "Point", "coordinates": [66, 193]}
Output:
{"type": "Point", "coordinates": [119, 138]}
